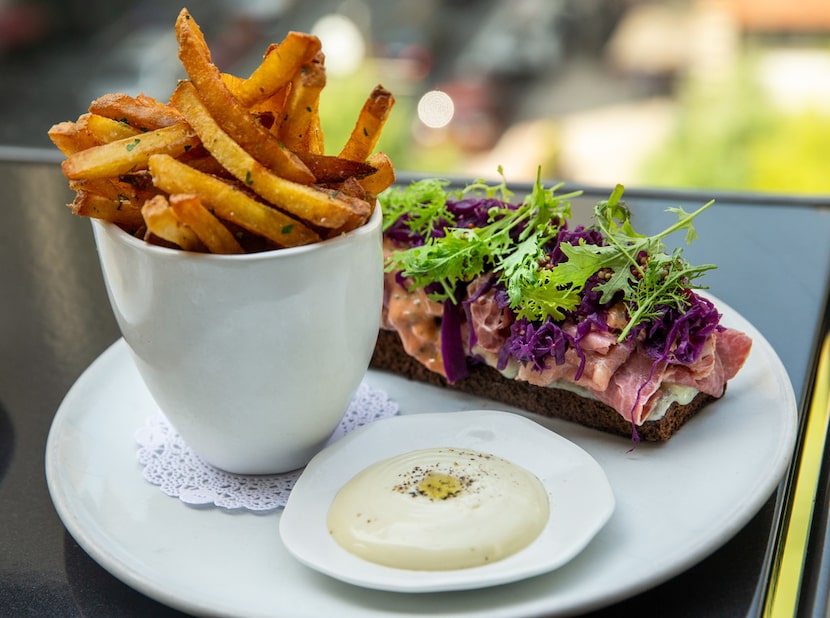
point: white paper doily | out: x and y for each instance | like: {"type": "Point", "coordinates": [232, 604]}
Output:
{"type": "Point", "coordinates": [169, 463]}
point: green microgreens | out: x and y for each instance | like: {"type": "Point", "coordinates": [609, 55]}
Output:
{"type": "Point", "coordinates": [536, 290]}
{"type": "Point", "coordinates": [462, 254]}
{"type": "Point", "coordinates": [658, 281]}
{"type": "Point", "coordinates": [424, 203]}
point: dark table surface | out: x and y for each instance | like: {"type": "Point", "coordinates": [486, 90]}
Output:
{"type": "Point", "coordinates": [773, 256]}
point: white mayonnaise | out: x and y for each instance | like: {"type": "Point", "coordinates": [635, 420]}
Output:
{"type": "Point", "coordinates": [439, 509]}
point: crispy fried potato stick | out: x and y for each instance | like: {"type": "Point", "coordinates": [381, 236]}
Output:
{"type": "Point", "coordinates": [106, 130]}
{"type": "Point", "coordinates": [362, 211]}
{"type": "Point", "coordinates": [230, 203]}
{"type": "Point", "coordinates": [223, 165]}
{"type": "Point", "coordinates": [88, 131]}
{"type": "Point", "coordinates": [71, 137]}
{"type": "Point", "coordinates": [328, 169]}
{"type": "Point", "coordinates": [116, 190]}
{"type": "Point", "coordinates": [129, 154]}
{"type": "Point", "coordinates": [140, 181]}
{"type": "Point", "coordinates": [382, 178]}
{"type": "Point", "coordinates": [162, 221]}
{"type": "Point", "coordinates": [370, 122]}
{"type": "Point", "coordinates": [308, 203]}
{"type": "Point", "coordinates": [279, 65]}
{"type": "Point", "coordinates": [207, 164]}
{"type": "Point", "coordinates": [273, 105]}
{"type": "Point", "coordinates": [299, 126]}
{"type": "Point", "coordinates": [210, 230]}
{"type": "Point", "coordinates": [142, 112]}
{"type": "Point", "coordinates": [124, 213]}
{"type": "Point", "coordinates": [228, 111]}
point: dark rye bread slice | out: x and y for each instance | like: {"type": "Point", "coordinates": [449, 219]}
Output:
{"type": "Point", "coordinates": [487, 382]}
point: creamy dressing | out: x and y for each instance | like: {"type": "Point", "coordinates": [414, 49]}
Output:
{"type": "Point", "coordinates": [439, 509]}
{"type": "Point", "coordinates": [671, 393]}
{"type": "Point", "coordinates": [414, 317]}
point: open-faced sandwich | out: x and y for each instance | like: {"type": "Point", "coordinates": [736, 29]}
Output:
{"type": "Point", "coordinates": [598, 324]}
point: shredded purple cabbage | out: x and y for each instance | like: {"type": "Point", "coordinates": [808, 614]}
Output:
{"type": "Point", "coordinates": [400, 233]}
{"type": "Point", "coordinates": [535, 343]}
{"type": "Point", "coordinates": [452, 347]}
{"type": "Point", "coordinates": [471, 212]}
{"type": "Point", "coordinates": [679, 336]}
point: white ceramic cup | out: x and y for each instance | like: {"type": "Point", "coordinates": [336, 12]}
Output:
{"type": "Point", "coordinates": [252, 358]}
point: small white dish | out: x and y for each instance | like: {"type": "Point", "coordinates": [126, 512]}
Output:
{"type": "Point", "coordinates": [581, 499]}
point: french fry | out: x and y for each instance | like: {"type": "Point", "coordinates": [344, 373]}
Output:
{"type": "Point", "coordinates": [229, 164]}
{"type": "Point", "coordinates": [382, 178]}
{"type": "Point", "coordinates": [106, 130]}
{"type": "Point", "coordinates": [352, 188]}
{"type": "Point", "coordinates": [233, 83]}
{"type": "Point", "coordinates": [308, 203]}
{"type": "Point", "coordinates": [228, 111]}
{"type": "Point", "coordinates": [116, 189]}
{"type": "Point", "coordinates": [140, 181]}
{"type": "Point", "coordinates": [142, 112]}
{"type": "Point", "coordinates": [71, 137]}
{"type": "Point", "coordinates": [162, 221]}
{"type": "Point", "coordinates": [299, 127]}
{"type": "Point", "coordinates": [271, 106]}
{"type": "Point", "coordinates": [274, 106]}
{"type": "Point", "coordinates": [369, 125]}
{"type": "Point", "coordinates": [208, 164]}
{"type": "Point", "coordinates": [362, 211]}
{"type": "Point", "coordinates": [265, 112]}
{"type": "Point", "coordinates": [129, 154]}
{"type": "Point", "coordinates": [329, 169]}
{"type": "Point", "coordinates": [230, 203]}
{"type": "Point", "coordinates": [279, 65]}
{"type": "Point", "coordinates": [210, 230]}
{"type": "Point", "coordinates": [124, 213]}
{"type": "Point", "coordinates": [88, 131]}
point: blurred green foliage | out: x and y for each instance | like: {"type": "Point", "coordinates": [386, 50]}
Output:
{"type": "Point", "coordinates": [730, 136]}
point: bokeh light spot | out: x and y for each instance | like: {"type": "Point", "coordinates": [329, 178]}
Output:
{"type": "Point", "coordinates": [436, 109]}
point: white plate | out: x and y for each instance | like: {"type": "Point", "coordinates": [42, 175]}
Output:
{"type": "Point", "coordinates": [581, 499]}
{"type": "Point", "coordinates": [676, 503]}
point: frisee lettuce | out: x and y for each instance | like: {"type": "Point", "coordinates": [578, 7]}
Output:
{"type": "Point", "coordinates": [647, 286]}
{"type": "Point", "coordinates": [424, 203]}
{"type": "Point", "coordinates": [514, 244]}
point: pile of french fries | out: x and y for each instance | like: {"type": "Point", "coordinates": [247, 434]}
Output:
{"type": "Point", "coordinates": [229, 164]}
